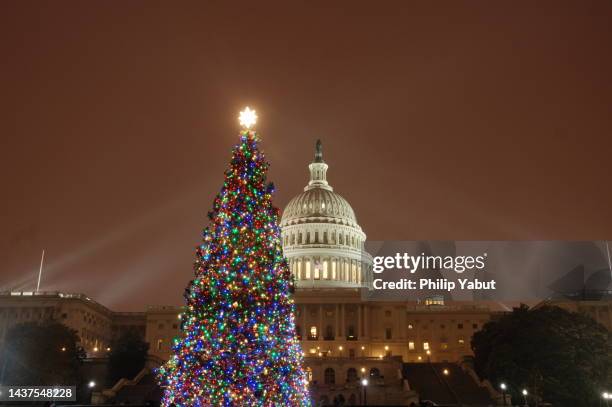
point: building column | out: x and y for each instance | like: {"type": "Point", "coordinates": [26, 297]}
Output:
{"type": "Point", "coordinates": [320, 329]}
{"type": "Point", "coordinates": [342, 326]}
{"type": "Point", "coordinates": [337, 330]}
{"type": "Point", "coordinates": [403, 322]}
{"type": "Point", "coordinates": [359, 321]}
{"type": "Point", "coordinates": [305, 331]}
{"type": "Point", "coordinates": [366, 318]}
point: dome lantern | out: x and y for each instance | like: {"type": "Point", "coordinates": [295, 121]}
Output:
{"type": "Point", "coordinates": [318, 171]}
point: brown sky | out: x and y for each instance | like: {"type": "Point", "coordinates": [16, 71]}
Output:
{"type": "Point", "coordinates": [440, 120]}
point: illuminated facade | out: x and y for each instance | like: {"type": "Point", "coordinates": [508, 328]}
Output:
{"type": "Point", "coordinates": [95, 324]}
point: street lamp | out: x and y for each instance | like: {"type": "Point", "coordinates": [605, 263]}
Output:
{"type": "Point", "coordinates": [607, 396]}
{"type": "Point", "coordinates": [91, 386]}
{"type": "Point", "coordinates": [525, 393]}
{"type": "Point", "coordinates": [364, 384]}
{"type": "Point", "coordinates": [503, 388]}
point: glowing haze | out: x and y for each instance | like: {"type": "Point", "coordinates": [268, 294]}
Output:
{"type": "Point", "coordinates": [449, 121]}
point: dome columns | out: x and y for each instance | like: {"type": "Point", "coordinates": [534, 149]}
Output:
{"type": "Point", "coordinates": [328, 270]}
{"type": "Point", "coordinates": [318, 177]}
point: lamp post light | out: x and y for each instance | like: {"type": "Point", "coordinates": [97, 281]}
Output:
{"type": "Point", "coordinates": [606, 396]}
{"type": "Point", "coordinates": [503, 388]}
{"type": "Point", "coordinates": [525, 393]}
{"type": "Point", "coordinates": [364, 384]}
{"type": "Point", "coordinates": [91, 386]}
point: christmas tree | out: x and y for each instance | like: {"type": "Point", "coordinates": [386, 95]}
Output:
{"type": "Point", "coordinates": [238, 345]}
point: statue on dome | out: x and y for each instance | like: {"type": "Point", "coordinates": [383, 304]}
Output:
{"type": "Point", "coordinates": [319, 152]}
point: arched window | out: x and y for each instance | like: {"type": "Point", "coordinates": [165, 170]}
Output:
{"type": "Point", "coordinates": [374, 373]}
{"type": "Point", "coordinates": [298, 332]}
{"type": "Point", "coordinates": [351, 375]}
{"type": "Point", "coordinates": [330, 376]}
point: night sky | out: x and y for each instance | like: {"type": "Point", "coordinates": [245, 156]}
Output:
{"type": "Point", "coordinates": [439, 120]}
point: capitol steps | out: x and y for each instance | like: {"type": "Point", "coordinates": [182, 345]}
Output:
{"type": "Point", "coordinates": [457, 388]}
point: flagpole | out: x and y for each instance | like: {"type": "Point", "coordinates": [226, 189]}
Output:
{"type": "Point", "coordinates": [42, 259]}
{"type": "Point", "coordinates": [609, 262]}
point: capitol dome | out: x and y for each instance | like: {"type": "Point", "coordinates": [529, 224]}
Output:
{"type": "Point", "coordinates": [321, 238]}
{"type": "Point", "coordinates": [324, 205]}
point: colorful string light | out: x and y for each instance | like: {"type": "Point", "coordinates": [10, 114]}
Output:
{"type": "Point", "coordinates": [238, 345]}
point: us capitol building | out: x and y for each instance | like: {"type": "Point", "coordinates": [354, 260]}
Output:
{"type": "Point", "coordinates": [345, 336]}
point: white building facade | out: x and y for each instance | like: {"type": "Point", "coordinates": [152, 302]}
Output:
{"type": "Point", "coordinates": [322, 240]}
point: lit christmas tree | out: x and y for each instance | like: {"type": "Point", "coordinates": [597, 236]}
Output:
{"type": "Point", "coordinates": [238, 345]}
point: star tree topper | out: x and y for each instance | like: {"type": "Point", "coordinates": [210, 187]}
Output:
{"type": "Point", "coordinates": [247, 118]}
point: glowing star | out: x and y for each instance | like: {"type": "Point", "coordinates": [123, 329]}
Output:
{"type": "Point", "coordinates": [247, 118]}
